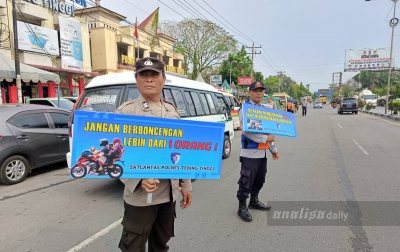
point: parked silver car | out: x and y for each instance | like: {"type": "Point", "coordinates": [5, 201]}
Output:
{"type": "Point", "coordinates": [31, 136]}
{"type": "Point", "coordinates": [317, 104]}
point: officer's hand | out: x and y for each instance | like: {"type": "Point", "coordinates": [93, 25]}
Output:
{"type": "Point", "coordinates": [270, 138]}
{"type": "Point", "coordinates": [275, 156]}
{"type": "Point", "coordinates": [150, 185]}
{"type": "Point", "coordinates": [186, 199]}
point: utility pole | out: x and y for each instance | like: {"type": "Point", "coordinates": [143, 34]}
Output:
{"type": "Point", "coordinates": [252, 57]}
{"type": "Point", "coordinates": [16, 53]}
{"type": "Point", "coordinates": [280, 74]}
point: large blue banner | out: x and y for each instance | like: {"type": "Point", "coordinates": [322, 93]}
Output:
{"type": "Point", "coordinates": [259, 119]}
{"type": "Point", "coordinates": [128, 146]}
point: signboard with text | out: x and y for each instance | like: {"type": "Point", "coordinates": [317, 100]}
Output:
{"type": "Point", "coordinates": [245, 80]}
{"type": "Point", "coordinates": [259, 119]}
{"type": "Point", "coordinates": [216, 79]}
{"type": "Point", "coordinates": [38, 39]}
{"type": "Point", "coordinates": [368, 59]}
{"type": "Point", "coordinates": [127, 146]}
{"type": "Point", "coordinates": [71, 44]}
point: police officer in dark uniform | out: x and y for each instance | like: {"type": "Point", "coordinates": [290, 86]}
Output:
{"type": "Point", "coordinates": [253, 157]}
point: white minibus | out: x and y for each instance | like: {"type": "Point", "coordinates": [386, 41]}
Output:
{"type": "Point", "coordinates": [194, 100]}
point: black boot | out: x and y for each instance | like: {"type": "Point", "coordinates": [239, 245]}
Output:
{"type": "Point", "coordinates": [243, 212]}
{"type": "Point", "coordinates": [256, 204]}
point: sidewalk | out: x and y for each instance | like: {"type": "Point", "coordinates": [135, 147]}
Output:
{"type": "Point", "coordinates": [380, 111]}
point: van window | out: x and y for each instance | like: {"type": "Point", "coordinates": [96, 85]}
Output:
{"type": "Point", "coordinates": [211, 103]}
{"type": "Point", "coordinates": [101, 100]}
{"type": "Point", "coordinates": [221, 104]}
{"type": "Point", "coordinates": [133, 93]}
{"type": "Point", "coordinates": [168, 96]}
{"type": "Point", "coordinates": [197, 103]}
{"type": "Point", "coordinates": [236, 103]}
{"type": "Point", "coordinates": [205, 103]}
{"type": "Point", "coordinates": [190, 103]}
{"type": "Point", "coordinates": [180, 102]}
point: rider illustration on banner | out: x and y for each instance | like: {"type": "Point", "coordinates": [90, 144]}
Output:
{"type": "Point", "coordinates": [95, 162]}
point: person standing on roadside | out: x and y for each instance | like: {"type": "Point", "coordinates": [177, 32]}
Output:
{"type": "Point", "coordinates": [304, 107]}
{"type": "Point", "coordinates": [253, 158]}
{"type": "Point", "coordinates": [152, 222]}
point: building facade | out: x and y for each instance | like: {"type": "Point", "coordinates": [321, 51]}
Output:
{"type": "Point", "coordinates": [52, 38]}
{"type": "Point", "coordinates": [78, 42]}
{"type": "Point", "coordinates": [115, 48]}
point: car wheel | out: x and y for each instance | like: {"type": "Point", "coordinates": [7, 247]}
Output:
{"type": "Point", "coordinates": [227, 147]}
{"type": "Point", "coordinates": [356, 112]}
{"type": "Point", "coordinates": [14, 170]}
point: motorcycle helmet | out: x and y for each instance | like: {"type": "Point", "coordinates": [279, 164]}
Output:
{"type": "Point", "coordinates": [103, 142]}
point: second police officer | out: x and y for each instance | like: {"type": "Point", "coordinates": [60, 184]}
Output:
{"type": "Point", "coordinates": [253, 158]}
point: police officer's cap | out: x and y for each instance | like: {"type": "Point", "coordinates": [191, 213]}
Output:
{"type": "Point", "coordinates": [149, 63]}
{"type": "Point", "coordinates": [256, 85]}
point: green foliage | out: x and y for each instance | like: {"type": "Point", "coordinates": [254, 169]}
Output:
{"type": "Point", "coordinates": [203, 43]}
{"type": "Point", "coordinates": [361, 104]}
{"type": "Point", "coordinates": [368, 107]}
{"type": "Point", "coordinates": [395, 106]}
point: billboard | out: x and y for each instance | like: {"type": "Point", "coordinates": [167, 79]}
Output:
{"type": "Point", "coordinates": [245, 80]}
{"type": "Point", "coordinates": [71, 44]}
{"type": "Point", "coordinates": [368, 59]}
{"type": "Point", "coordinates": [38, 39]}
{"type": "Point", "coordinates": [216, 79]}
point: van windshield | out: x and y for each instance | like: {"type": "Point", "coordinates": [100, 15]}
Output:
{"type": "Point", "coordinates": [101, 100]}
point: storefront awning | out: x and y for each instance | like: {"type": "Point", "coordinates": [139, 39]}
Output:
{"type": "Point", "coordinates": [62, 70]}
{"type": "Point", "coordinates": [28, 73]}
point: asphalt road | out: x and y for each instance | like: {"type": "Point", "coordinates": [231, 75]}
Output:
{"type": "Point", "coordinates": [335, 160]}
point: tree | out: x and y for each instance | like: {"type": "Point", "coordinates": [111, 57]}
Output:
{"type": "Point", "coordinates": [202, 43]}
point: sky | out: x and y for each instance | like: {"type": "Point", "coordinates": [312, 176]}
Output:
{"type": "Point", "coordinates": [305, 39]}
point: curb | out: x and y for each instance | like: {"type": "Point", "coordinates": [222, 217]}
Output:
{"type": "Point", "coordinates": [391, 117]}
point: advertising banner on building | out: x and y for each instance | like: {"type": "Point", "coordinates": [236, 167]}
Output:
{"type": "Point", "coordinates": [108, 145]}
{"type": "Point", "coordinates": [245, 80]}
{"type": "Point", "coordinates": [368, 59]}
{"type": "Point", "coordinates": [258, 119]}
{"type": "Point", "coordinates": [71, 44]}
{"type": "Point", "coordinates": [38, 39]}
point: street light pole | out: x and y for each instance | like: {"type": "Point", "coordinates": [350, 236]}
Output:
{"type": "Point", "coordinates": [16, 53]}
{"type": "Point", "coordinates": [391, 55]}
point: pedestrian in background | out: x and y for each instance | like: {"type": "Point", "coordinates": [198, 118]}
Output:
{"type": "Point", "coordinates": [270, 102]}
{"type": "Point", "coordinates": [152, 222]}
{"type": "Point", "coordinates": [253, 158]}
{"type": "Point", "coordinates": [304, 107]}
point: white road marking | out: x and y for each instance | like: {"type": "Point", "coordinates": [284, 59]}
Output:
{"type": "Point", "coordinates": [361, 148]}
{"type": "Point", "coordinates": [339, 126]}
{"type": "Point", "coordinates": [95, 236]}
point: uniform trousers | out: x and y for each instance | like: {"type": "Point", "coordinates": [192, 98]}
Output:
{"type": "Point", "coordinates": [252, 177]}
{"type": "Point", "coordinates": [154, 224]}
{"type": "Point", "coordinates": [304, 109]}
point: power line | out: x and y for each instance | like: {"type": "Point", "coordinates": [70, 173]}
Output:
{"type": "Point", "coordinates": [172, 9]}
{"type": "Point", "coordinates": [189, 11]}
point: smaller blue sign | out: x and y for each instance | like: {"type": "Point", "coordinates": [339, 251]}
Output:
{"type": "Point", "coordinates": [258, 119]}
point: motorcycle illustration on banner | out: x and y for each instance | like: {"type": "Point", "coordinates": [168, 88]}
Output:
{"type": "Point", "coordinates": [106, 161]}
